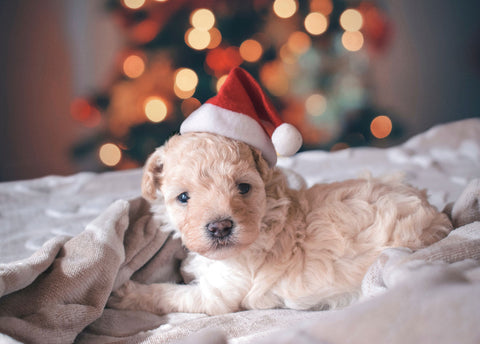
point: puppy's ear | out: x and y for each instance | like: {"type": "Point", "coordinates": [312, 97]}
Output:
{"type": "Point", "coordinates": [261, 164]}
{"type": "Point", "coordinates": [151, 175]}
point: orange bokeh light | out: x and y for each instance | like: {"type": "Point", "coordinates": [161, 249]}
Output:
{"type": "Point", "coordinates": [381, 127]}
{"type": "Point", "coordinates": [145, 31]}
{"type": "Point", "coordinates": [221, 60]}
{"type": "Point", "coordinates": [299, 42]}
{"type": "Point", "coordinates": [215, 38]}
{"type": "Point", "coordinates": [133, 66]}
{"type": "Point", "coordinates": [251, 50]}
{"type": "Point", "coordinates": [189, 105]}
{"type": "Point", "coordinates": [274, 77]}
{"type": "Point", "coordinates": [322, 6]}
{"type": "Point", "coordinates": [82, 111]}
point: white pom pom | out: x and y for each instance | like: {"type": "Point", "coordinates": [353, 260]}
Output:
{"type": "Point", "coordinates": [286, 139]}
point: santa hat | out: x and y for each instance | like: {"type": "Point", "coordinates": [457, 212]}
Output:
{"type": "Point", "coordinates": [242, 111]}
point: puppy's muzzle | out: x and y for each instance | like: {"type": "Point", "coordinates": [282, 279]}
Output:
{"type": "Point", "coordinates": [220, 229]}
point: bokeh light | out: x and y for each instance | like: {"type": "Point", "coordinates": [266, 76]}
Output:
{"type": "Point", "coordinates": [286, 55]}
{"type": "Point", "coordinates": [299, 42]}
{"type": "Point", "coordinates": [351, 20]}
{"type": "Point", "coordinates": [189, 105]}
{"type": "Point", "coordinates": [215, 38]}
{"type": "Point", "coordinates": [316, 23]}
{"type": "Point", "coordinates": [186, 79]}
{"type": "Point", "coordinates": [352, 40]}
{"type": "Point", "coordinates": [133, 66]}
{"type": "Point", "coordinates": [202, 19]}
{"type": "Point", "coordinates": [316, 104]}
{"type": "Point", "coordinates": [81, 110]}
{"type": "Point", "coordinates": [381, 127]}
{"type": "Point", "coordinates": [133, 4]}
{"type": "Point", "coordinates": [145, 31]}
{"type": "Point", "coordinates": [220, 82]}
{"type": "Point", "coordinates": [155, 109]}
{"type": "Point", "coordinates": [251, 50]}
{"type": "Point", "coordinates": [197, 39]}
{"type": "Point", "coordinates": [275, 78]}
{"type": "Point", "coordinates": [221, 60]}
{"type": "Point", "coordinates": [322, 6]}
{"type": "Point", "coordinates": [183, 94]}
{"type": "Point", "coordinates": [110, 154]}
{"type": "Point", "coordinates": [284, 8]}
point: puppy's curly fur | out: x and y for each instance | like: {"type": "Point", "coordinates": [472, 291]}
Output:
{"type": "Point", "coordinates": [277, 247]}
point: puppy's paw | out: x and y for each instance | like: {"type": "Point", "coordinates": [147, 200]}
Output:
{"type": "Point", "coordinates": [134, 296]}
{"type": "Point", "coordinates": [123, 297]}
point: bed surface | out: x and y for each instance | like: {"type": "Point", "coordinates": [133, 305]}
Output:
{"type": "Point", "coordinates": [438, 287]}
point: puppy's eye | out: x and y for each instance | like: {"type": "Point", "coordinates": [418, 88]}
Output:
{"type": "Point", "coordinates": [183, 197]}
{"type": "Point", "coordinates": [243, 188]}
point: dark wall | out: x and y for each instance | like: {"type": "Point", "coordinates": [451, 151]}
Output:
{"type": "Point", "coordinates": [35, 90]}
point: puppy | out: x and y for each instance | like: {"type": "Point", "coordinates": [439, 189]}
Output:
{"type": "Point", "coordinates": [255, 243]}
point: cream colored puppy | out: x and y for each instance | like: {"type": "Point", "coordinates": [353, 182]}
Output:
{"type": "Point", "coordinates": [255, 243]}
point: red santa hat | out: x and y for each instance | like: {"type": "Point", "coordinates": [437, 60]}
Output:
{"type": "Point", "coordinates": [242, 111]}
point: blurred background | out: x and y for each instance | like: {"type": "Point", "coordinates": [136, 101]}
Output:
{"type": "Point", "coordinates": [96, 85]}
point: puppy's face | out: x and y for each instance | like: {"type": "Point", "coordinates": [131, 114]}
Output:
{"type": "Point", "coordinates": [213, 190]}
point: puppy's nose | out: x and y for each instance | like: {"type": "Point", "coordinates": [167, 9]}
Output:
{"type": "Point", "coordinates": [220, 229]}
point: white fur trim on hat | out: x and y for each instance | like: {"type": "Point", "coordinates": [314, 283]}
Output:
{"type": "Point", "coordinates": [214, 119]}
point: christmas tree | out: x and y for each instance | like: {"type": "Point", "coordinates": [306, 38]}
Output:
{"type": "Point", "coordinates": [312, 57]}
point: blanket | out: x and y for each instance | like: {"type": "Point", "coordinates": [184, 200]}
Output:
{"type": "Point", "coordinates": [58, 294]}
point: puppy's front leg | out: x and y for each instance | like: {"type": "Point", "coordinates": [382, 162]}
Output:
{"type": "Point", "coordinates": [163, 298]}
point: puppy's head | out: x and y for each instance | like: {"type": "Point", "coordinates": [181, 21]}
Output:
{"type": "Point", "coordinates": [214, 191]}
